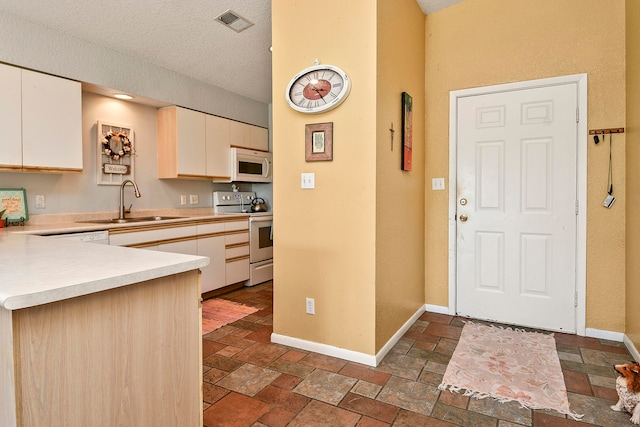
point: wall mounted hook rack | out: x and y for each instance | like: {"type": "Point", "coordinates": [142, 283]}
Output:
{"type": "Point", "coordinates": [604, 131]}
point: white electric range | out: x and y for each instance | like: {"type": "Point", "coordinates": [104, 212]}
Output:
{"type": "Point", "coordinates": [260, 231]}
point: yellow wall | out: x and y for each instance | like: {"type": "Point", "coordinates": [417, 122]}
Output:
{"type": "Point", "coordinates": [400, 195]}
{"type": "Point", "coordinates": [633, 172]}
{"type": "Point", "coordinates": [357, 253]}
{"type": "Point", "coordinates": [326, 236]}
{"type": "Point", "coordinates": [486, 42]}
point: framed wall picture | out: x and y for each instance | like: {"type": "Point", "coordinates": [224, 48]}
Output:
{"type": "Point", "coordinates": [407, 131]}
{"type": "Point", "coordinates": [13, 205]}
{"type": "Point", "coordinates": [318, 142]}
{"type": "Point", "coordinates": [115, 153]}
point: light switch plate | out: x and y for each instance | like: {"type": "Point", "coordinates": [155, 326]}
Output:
{"type": "Point", "coordinates": [308, 180]}
{"type": "Point", "coordinates": [183, 199]}
{"type": "Point", "coordinates": [437, 183]}
{"type": "Point", "coordinates": [40, 201]}
{"type": "Point", "coordinates": [193, 199]}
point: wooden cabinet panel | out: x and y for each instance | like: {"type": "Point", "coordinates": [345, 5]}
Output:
{"type": "Point", "coordinates": [259, 138]}
{"type": "Point", "coordinates": [187, 247]}
{"type": "Point", "coordinates": [41, 121]}
{"type": "Point", "coordinates": [192, 144]}
{"type": "Point", "coordinates": [237, 271]}
{"type": "Point", "coordinates": [181, 143]}
{"type": "Point", "coordinates": [211, 244]}
{"type": "Point", "coordinates": [237, 251]}
{"type": "Point", "coordinates": [217, 147]}
{"type": "Point", "coordinates": [94, 359]}
{"type": "Point", "coordinates": [213, 275]}
{"type": "Point", "coordinates": [10, 118]}
{"type": "Point", "coordinates": [248, 136]}
{"type": "Point", "coordinates": [124, 237]}
{"type": "Point", "coordinates": [226, 243]}
{"type": "Point", "coordinates": [190, 134]}
{"type": "Point", "coordinates": [51, 122]}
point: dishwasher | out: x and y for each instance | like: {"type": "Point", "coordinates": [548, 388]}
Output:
{"type": "Point", "coordinates": [100, 237]}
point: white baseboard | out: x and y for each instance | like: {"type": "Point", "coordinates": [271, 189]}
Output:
{"type": "Point", "coordinates": [632, 348]}
{"type": "Point", "coordinates": [343, 353]}
{"type": "Point", "coordinates": [615, 336]}
{"type": "Point", "coordinates": [436, 309]}
{"type": "Point", "coordinates": [605, 335]}
{"type": "Point", "coordinates": [396, 337]}
{"type": "Point", "coordinates": [327, 350]}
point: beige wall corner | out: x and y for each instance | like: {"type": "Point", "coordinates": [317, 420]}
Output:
{"type": "Point", "coordinates": [399, 194]}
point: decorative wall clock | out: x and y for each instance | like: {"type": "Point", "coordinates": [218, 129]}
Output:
{"type": "Point", "coordinates": [318, 88]}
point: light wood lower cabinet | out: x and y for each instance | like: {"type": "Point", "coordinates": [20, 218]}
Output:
{"type": "Point", "coordinates": [126, 356]}
{"type": "Point", "coordinates": [225, 243]}
{"type": "Point", "coordinates": [211, 244]}
{"type": "Point", "coordinates": [237, 251]}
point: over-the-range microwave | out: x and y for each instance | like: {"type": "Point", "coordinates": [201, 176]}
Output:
{"type": "Point", "coordinates": [251, 165]}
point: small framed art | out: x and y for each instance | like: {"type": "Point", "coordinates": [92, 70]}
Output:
{"type": "Point", "coordinates": [318, 142]}
{"type": "Point", "coordinates": [13, 205]}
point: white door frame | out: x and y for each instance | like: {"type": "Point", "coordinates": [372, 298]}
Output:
{"type": "Point", "coordinates": [581, 181]}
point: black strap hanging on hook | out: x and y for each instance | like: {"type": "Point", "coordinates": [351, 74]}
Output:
{"type": "Point", "coordinates": [610, 179]}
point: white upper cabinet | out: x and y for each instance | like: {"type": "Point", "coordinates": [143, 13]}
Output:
{"type": "Point", "coordinates": [218, 149]}
{"type": "Point", "coordinates": [181, 144]}
{"type": "Point", "coordinates": [10, 118]}
{"type": "Point", "coordinates": [41, 121]}
{"type": "Point", "coordinates": [248, 136]}
{"type": "Point", "coordinates": [197, 145]}
{"type": "Point", "coordinates": [190, 133]}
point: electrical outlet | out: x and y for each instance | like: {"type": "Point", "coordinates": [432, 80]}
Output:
{"type": "Point", "coordinates": [183, 199]}
{"type": "Point", "coordinates": [311, 306]}
{"type": "Point", "coordinates": [437, 183]}
{"type": "Point", "coordinates": [308, 180]}
{"type": "Point", "coordinates": [193, 199]}
{"type": "Point", "coordinates": [40, 201]}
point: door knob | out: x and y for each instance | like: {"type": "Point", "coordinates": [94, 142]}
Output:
{"type": "Point", "coordinates": [463, 218]}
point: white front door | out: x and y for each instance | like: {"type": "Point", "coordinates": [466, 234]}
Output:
{"type": "Point", "coordinates": [516, 223]}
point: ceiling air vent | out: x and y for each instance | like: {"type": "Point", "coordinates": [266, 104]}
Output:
{"type": "Point", "coordinates": [234, 21]}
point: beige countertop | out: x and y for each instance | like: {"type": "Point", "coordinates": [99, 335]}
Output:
{"type": "Point", "coordinates": [38, 270]}
{"type": "Point", "coordinates": [81, 222]}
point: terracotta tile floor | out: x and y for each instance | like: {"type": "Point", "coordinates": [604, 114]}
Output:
{"type": "Point", "coordinates": [250, 382]}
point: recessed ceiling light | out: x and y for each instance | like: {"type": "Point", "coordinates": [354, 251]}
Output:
{"type": "Point", "coordinates": [122, 96]}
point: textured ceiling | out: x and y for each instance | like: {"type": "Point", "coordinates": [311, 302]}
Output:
{"type": "Point", "coordinates": [179, 36]}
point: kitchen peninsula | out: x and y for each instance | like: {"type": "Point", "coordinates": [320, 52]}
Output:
{"type": "Point", "coordinates": [98, 335]}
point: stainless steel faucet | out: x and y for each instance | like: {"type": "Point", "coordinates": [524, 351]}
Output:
{"type": "Point", "coordinates": [137, 193]}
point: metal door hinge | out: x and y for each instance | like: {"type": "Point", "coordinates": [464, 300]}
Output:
{"type": "Point", "coordinates": [577, 206]}
{"type": "Point", "coordinates": [575, 299]}
{"type": "Point", "coordinates": [577, 115]}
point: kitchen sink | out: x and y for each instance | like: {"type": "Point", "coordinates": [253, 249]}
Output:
{"type": "Point", "coordinates": [134, 219]}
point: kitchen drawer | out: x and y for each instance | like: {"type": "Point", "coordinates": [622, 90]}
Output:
{"type": "Point", "coordinates": [236, 238]}
{"type": "Point", "coordinates": [127, 238]}
{"type": "Point", "coordinates": [216, 227]}
{"type": "Point", "coordinates": [237, 271]}
{"type": "Point", "coordinates": [237, 225]}
{"type": "Point", "coordinates": [236, 251]}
